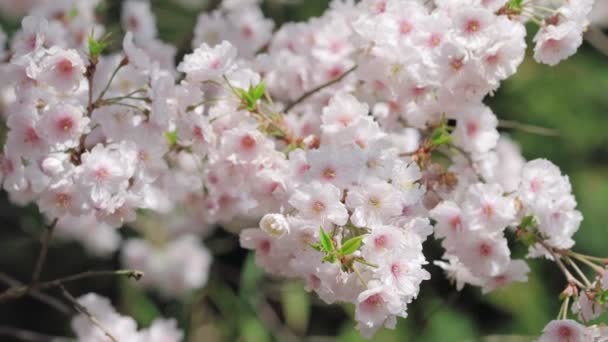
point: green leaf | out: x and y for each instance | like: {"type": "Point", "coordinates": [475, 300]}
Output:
{"type": "Point", "coordinates": [73, 13]}
{"type": "Point", "coordinates": [528, 222]}
{"type": "Point", "coordinates": [515, 5]}
{"type": "Point", "coordinates": [351, 245]}
{"type": "Point", "coordinates": [602, 298]}
{"type": "Point", "coordinates": [325, 241]}
{"type": "Point", "coordinates": [316, 246]}
{"type": "Point", "coordinates": [441, 136]}
{"type": "Point", "coordinates": [171, 137]}
{"type": "Point", "coordinates": [96, 47]}
{"type": "Point", "coordinates": [258, 91]}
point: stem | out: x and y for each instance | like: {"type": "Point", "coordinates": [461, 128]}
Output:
{"type": "Point", "coordinates": [532, 129]}
{"type": "Point", "coordinates": [20, 291]}
{"type": "Point", "coordinates": [589, 257]}
{"type": "Point", "coordinates": [359, 276]}
{"type": "Point", "coordinates": [566, 304]}
{"type": "Point", "coordinates": [319, 88]}
{"type": "Point", "coordinates": [593, 266]}
{"type": "Point", "coordinates": [80, 308]}
{"type": "Point", "coordinates": [596, 37]}
{"type": "Point", "coordinates": [569, 277]}
{"type": "Point", "coordinates": [578, 271]}
{"type": "Point", "coordinates": [103, 92]}
{"type": "Point", "coordinates": [44, 298]}
{"type": "Point", "coordinates": [43, 252]}
{"type": "Point", "coordinates": [127, 105]}
{"type": "Point", "coordinates": [26, 335]}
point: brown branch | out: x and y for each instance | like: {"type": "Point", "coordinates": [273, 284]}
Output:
{"type": "Point", "coordinates": [20, 291]}
{"type": "Point", "coordinates": [80, 308]}
{"type": "Point", "coordinates": [26, 335]}
{"type": "Point", "coordinates": [319, 88]}
{"type": "Point", "coordinates": [43, 252]}
{"type": "Point", "coordinates": [44, 298]}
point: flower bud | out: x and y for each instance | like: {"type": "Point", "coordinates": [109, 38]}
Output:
{"type": "Point", "coordinates": [52, 166]}
{"type": "Point", "coordinates": [274, 224]}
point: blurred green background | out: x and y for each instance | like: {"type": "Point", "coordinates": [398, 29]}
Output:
{"type": "Point", "coordinates": [241, 303]}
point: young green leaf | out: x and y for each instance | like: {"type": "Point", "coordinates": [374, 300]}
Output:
{"type": "Point", "coordinates": [351, 245]}
{"type": "Point", "coordinates": [325, 241]}
{"type": "Point", "coordinates": [171, 137]}
{"type": "Point", "coordinates": [528, 222]}
{"type": "Point", "coordinates": [602, 298]}
{"type": "Point", "coordinates": [258, 91]}
{"type": "Point", "coordinates": [96, 47]}
{"type": "Point", "coordinates": [441, 136]}
{"type": "Point", "coordinates": [515, 5]}
{"type": "Point", "coordinates": [316, 247]}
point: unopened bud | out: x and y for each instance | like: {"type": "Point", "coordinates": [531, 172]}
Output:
{"type": "Point", "coordinates": [274, 224]}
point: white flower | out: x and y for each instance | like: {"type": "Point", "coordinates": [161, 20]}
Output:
{"type": "Point", "coordinates": [476, 129]}
{"type": "Point", "coordinates": [62, 69]}
{"type": "Point", "coordinates": [486, 208]}
{"type": "Point", "coordinates": [450, 221]}
{"type": "Point", "coordinates": [484, 255]}
{"type": "Point", "coordinates": [63, 125]}
{"type": "Point", "coordinates": [376, 307]}
{"type": "Point", "coordinates": [320, 202]}
{"type": "Point", "coordinates": [137, 17]}
{"type": "Point", "coordinates": [565, 330]}
{"type": "Point", "coordinates": [516, 271]}
{"type": "Point", "coordinates": [207, 63]}
{"type": "Point", "coordinates": [105, 173]}
{"type": "Point", "coordinates": [556, 43]}
{"type": "Point", "coordinates": [374, 202]}
{"type": "Point", "coordinates": [341, 167]}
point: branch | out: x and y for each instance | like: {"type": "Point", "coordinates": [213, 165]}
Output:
{"type": "Point", "coordinates": [532, 129]}
{"type": "Point", "coordinates": [43, 252]}
{"type": "Point", "coordinates": [319, 88]}
{"type": "Point", "coordinates": [20, 291]}
{"type": "Point", "coordinates": [25, 335]}
{"type": "Point", "coordinates": [596, 38]}
{"type": "Point", "coordinates": [80, 308]}
{"type": "Point", "coordinates": [44, 298]}
{"type": "Point", "coordinates": [569, 277]}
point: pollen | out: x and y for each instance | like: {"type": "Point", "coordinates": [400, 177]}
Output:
{"type": "Point", "coordinates": [62, 200]}
{"type": "Point", "coordinates": [472, 26]}
{"type": "Point", "coordinates": [329, 173]}
{"type": "Point", "coordinates": [248, 142]}
{"type": "Point", "coordinates": [318, 207]}
{"type": "Point", "coordinates": [375, 202]}
{"type": "Point", "coordinates": [65, 124]}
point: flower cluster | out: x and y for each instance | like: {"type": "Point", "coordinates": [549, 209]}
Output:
{"type": "Point", "coordinates": [121, 328]}
{"type": "Point", "coordinates": [353, 136]}
{"type": "Point", "coordinates": [362, 202]}
{"type": "Point", "coordinates": [176, 268]}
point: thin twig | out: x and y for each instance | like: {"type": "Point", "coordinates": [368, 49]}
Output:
{"type": "Point", "coordinates": [597, 39]}
{"type": "Point", "coordinates": [80, 308]}
{"type": "Point", "coordinates": [43, 252]}
{"type": "Point", "coordinates": [26, 335]}
{"type": "Point", "coordinates": [319, 88]}
{"type": "Point", "coordinates": [527, 128]}
{"type": "Point", "coordinates": [578, 271]}
{"type": "Point", "coordinates": [569, 277]}
{"type": "Point", "coordinates": [20, 291]}
{"type": "Point", "coordinates": [44, 298]}
{"type": "Point", "coordinates": [269, 316]}
{"type": "Point", "coordinates": [121, 64]}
